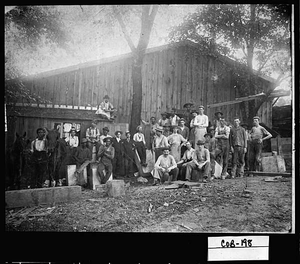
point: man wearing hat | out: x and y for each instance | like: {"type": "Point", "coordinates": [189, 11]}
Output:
{"type": "Point", "coordinates": [105, 157]}
{"type": "Point", "coordinates": [83, 157]}
{"type": "Point", "coordinates": [216, 121]}
{"type": "Point", "coordinates": [105, 134]}
{"type": "Point", "coordinates": [118, 161]}
{"type": "Point", "coordinates": [164, 121]}
{"type": "Point", "coordinates": [200, 124]}
{"type": "Point", "coordinates": [92, 135]}
{"type": "Point", "coordinates": [140, 144]}
{"type": "Point", "coordinates": [167, 130]}
{"type": "Point", "coordinates": [222, 136]}
{"type": "Point", "coordinates": [165, 168]}
{"type": "Point", "coordinates": [39, 149]}
{"type": "Point", "coordinates": [188, 113]}
{"type": "Point", "coordinates": [159, 142]}
{"type": "Point", "coordinates": [201, 162]}
{"type": "Point", "coordinates": [129, 154]}
{"type": "Point", "coordinates": [72, 140]}
{"type": "Point", "coordinates": [192, 128]}
{"type": "Point", "coordinates": [174, 119]}
{"type": "Point", "coordinates": [257, 134]}
{"type": "Point", "coordinates": [106, 108]}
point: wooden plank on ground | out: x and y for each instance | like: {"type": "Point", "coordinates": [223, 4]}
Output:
{"type": "Point", "coordinates": [260, 173]}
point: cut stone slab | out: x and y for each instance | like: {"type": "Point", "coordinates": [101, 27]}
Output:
{"type": "Point", "coordinates": [93, 180]}
{"type": "Point", "coordinates": [42, 196]}
{"type": "Point", "coordinates": [115, 188]}
{"type": "Point", "coordinates": [71, 176]}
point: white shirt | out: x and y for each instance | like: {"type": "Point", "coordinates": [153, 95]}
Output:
{"type": "Point", "coordinates": [139, 137]}
{"type": "Point", "coordinates": [73, 141]}
{"type": "Point", "coordinates": [38, 144]}
{"type": "Point", "coordinates": [201, 121]}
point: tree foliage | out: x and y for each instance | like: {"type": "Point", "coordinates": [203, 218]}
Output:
{"type": "Point", "coordinates": [27, 29]}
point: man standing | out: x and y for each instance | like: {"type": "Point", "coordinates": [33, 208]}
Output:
{"type": "Point", "coordinates": [238, 143]}
{"type": "Point", "coordinates": [192, 127]}
{"type": "Point", "coordinates": [149, 131]}
{"type": "Point", "coordinates": [174, 119]}
{"type": "Point", "coordinates": [216, 121]}
{"type": "Point", "coordinates": [39, 149]}
{"type": "Point", "coordinates": [118, 161]}
{"type": "Point", "coordinates": [83, 156]}
{"type": "Point", "coordinates": [105, 131]}
{"type": "Point", "coordinates": [201, 162]}
{"type": "Point", "coordinates": [200, 124]}
{"type": "Point", "coordinates": [160, 142]}
{"type": "Point", "coordinates": [211, 145]}
{"type": "Point", "coordinates": [164, 120]}
{"type": "Point", "coordinates": [105, 156]}
{"type": "Point", "coordinates": [93, 136]}
{"type": "Point", "coordinates": [188, 113]}
{"type": "Point", "coordinates": [72, 141]}
{"type": "Point", "coordinates": [222, 136]}
{"type": "Point", "coordinates": [140, 144]}
{"type": "Point", "coordinates": [185, 132]}
{"type": "Point", "coordinates": [256, 138]}
{"type": "Point", "coordinates": [129, 153]}
{"type": "Point", "coordinates": [165, 168]}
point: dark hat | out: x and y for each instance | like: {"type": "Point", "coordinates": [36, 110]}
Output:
{"type": "Point", "coordinates": [165, 148]}
{"type": "Point", "coordinates": [200, 142]}
{"type": "Point", "coordinates": [40, 128]}
{"type": "Point", "coordinates": [105, 129]}
{"type": "Point", "coordinates": [173, 108]}
{"type": "Point", "coordinates": [218, 113]}
{"type": "Point", "coordinates": [201, 106]}
{"type": "Point", "coordinates": [167, 125]}
{"type": "Point", "coordinates": [207, 134]}
{"type": "Point", "coordinates": [256, 117]}
{"type": "Point", "coordinates": [164, 113]}
{"type": "Point", "coordinates": [159, 129]}
{"type": "Point", "coordinates": [118, 131]}
{"type": "Point", "coordinates": [106, 97]}
{"type": "Point", "coordinates": [106, 138]}
{"type": "Point", "coordinates": [182, 119]}
{"type": "Point", "coordinates": [84, 140]}
{"type": "Point", "coordinates": [187, 104]}
{"type": "Point", "coordinates": [72, 129]}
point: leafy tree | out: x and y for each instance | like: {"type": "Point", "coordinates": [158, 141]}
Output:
{"type": "Point", "coordinates": [27, 28]}
{"type": "Point", "coordinates": [260, 32]}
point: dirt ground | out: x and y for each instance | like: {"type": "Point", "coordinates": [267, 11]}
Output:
{"type": "Point", "coordinates": [218, 206]}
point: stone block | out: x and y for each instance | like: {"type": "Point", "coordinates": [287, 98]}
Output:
{"type": "Point", "coordinates": [93, 180]}
{"type": "Point", "coordinates": [115, 188]}
{"type": "Point", "coordinates": [71, 177]}
{"type": "Point", "coordinates": [42, 196]}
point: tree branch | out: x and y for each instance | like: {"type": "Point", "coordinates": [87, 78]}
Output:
{"type": "Point", "coordinates": [124, 30]}
{"type": "Point", "coordinates": [264, 63]}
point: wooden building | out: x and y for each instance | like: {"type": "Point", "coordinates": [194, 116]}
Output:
{"type": "Point", "coordinates": [172, 75]}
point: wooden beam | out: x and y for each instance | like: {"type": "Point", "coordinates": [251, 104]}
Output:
{"type": "Point", "coordinates": [55, 113]}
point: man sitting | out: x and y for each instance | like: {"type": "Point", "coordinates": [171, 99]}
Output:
{"type": "Point", "coordinates": [165, 168]}
{"type": "Point", "coordinates": [185, 160]}
{"type": "Point", "coordinates": [201, 162]}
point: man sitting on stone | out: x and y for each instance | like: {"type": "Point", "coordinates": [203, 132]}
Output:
{"type": "Point", "coordinates": [165, 168]}
{"type": "Point", "coordinates": [105, 156]}
{"type": "Point", "coordinates": [201, 162]}
{"type": "Point", "coordinates": [185, 160]}
{"type": "Point", "coordinates": [83, 157]}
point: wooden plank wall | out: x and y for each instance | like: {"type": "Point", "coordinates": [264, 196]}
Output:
{"type": "Point", "coordinates": [171, 77]}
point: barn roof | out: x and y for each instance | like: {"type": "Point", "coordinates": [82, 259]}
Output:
{"type": "Point", "coordinates": [129, 55]}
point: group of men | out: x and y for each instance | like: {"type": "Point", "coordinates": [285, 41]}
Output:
{"type": "Point", "coordinates": [180, 146]}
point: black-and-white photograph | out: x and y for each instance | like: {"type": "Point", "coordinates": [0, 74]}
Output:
{"type": "Point", "coordinates": [150, 118]}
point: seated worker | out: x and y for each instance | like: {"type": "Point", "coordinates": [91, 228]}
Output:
{"type": "Point", "coordinates": [129, 147]}
{"type": "Point", "coordinates": [186, 159]}
{"type": "Point", "coordinates": [106, 109]}
{"type": "Point", "coordinates": [83, 157]}
{"type": "Point", "coordinates": [140, 143]}
{"type": "Point", "coordinates": [105, 156]}
{"type": "Point", "coordinates": [105, 131]}
{"type": "Point", "coordinates": [164, 120]}
{"type": "Point", "coordinates": [160, 142]}
{"type": "Point", "coordinates": [201, 162]}
{"type": "Point", "coordinates": [165, 168]}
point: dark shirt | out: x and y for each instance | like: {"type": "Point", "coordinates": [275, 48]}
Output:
{"type": "Point", "coordinates": [118, 146]}
{"type": "Point", "coordinates": [238, 137]}
{"type": "Point", "coordinates": [185, 132]}
{"type": "Point", "coordinates": [106, 154]}
{"type": "Point", "coordinates": [83, 154]}
{"type": "Point", "coordinates": [129, 148]}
